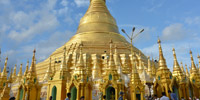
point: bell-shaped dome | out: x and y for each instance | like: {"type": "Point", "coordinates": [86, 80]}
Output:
{"type": "Point", "coordinates": [97, 19]}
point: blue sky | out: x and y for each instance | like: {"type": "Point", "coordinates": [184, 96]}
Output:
{"type": "Point", "coordinates": [48, 24]}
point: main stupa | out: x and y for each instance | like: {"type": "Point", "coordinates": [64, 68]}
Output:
{"type": "Point", "coordinates": [99, 61]}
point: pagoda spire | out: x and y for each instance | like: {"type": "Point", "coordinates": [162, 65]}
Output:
{"type": "Point", "coordinates": [182, 69]}
{"type": "Point", "coordinates": [199, 62]}
{"type": "Point", "coordinates": [14, 72]}
{"type": "Point", "coordinates": [176, 68]}
{"type": "Point", "coordinates": [111, 64]}
{"type": "Point", "coordinates": [49, 73]}
{"type": "Point", "coordinates": [80, 68]}
{"type": "Point", "coordinates": [96, 69]}
{"type": "Point", "coordinates": [153, 67]}
{"type": "Point", "coordinates": [4, 73]}
{"type": "Point", "coordinates": [193, 67]}
{"type": "Point", "coordinates": [26, 70]}
{"type": "Point", "coordinates": [63, 66]}
{"type": "Point", "coordinates": [31, 76]}
{"type": "Point", "coordinates": [19, 75]}
{"type": "Point", "coordinates": [149, 70]}
{"type": "Point", "coordinates": [10, 79]}
{"type": "Point", "coordinates": [176, 65]}
{"type": "Point", "coordinates": [162, 61]}
{"type": "Point", "coordinates": [187, 72]}
{"type": "Point", "coordinates": [140, 67]}
{"type": "Point", "coordinates": [117, 62]}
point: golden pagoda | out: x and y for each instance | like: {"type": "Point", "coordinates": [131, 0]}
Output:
{"type": "Point", "coordinates": [163, 75]}
{"type": "Point", "coordinates": [99, 61]}
{"type": "Point", "coordinates": [179, 83]}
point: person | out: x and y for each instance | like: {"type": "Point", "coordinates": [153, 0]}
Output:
{"type": "Point", "coordinates": [190, 98]}
{"type": "Point", "coordinates": [173, 95]}
{"type": "Point", "coordinates": [121, 95]}
{"type": "Point", "coordinates": [12, 98]}
{"type": "Point", "coordinates": [82, 98]}
{"type": "Point", "coordinates": [182, 98]}
{"type": "Point", "coordinates": [164, 97]}
{"type": "Point", "coordinates": [155, 97]}
{"type": "Point", "coordinates": [104, 97]}
{"type": "Point", "coordinates": [50, 98]}
{"type": "Point", "coordinates": [68, 96]}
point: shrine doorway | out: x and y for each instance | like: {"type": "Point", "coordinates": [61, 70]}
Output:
{"type": "Point", "coordinates": [21, 94]}
{"type": "Point", "coordinates": [110, 93]}
{"type": "Point", "coordinates": [54, 93]}
{"type": "Point", "coordinates": [73, 93]}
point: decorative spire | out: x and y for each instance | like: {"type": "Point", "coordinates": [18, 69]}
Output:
{"type": "Point", "coordinates": [32, 71]}
{"type": "Point", "coordinates": [140, 63]}
{"type": "Point", "coordinates": [182, 69]}
{"type": "Point", "coordinates": [4, 73]}
{"type": "Point", "coordinates": [176, 68]}
{"type": "Point", "coordinates": [117, 62]}
{"type": "Point", "coordinates": [19, 75]}
{"type": "Point", "coordinates": [111, 63]}
{"type": "Point", "coordinates": [63, 66]}
{"type": "Point", "coordinates": [176, 65]}
{"type": "Point", "coordinates": [199, 62]}
{"type": "Point", "coordinates": [193, 67]}
{"type": "Point", "coordinates": [153, 67]}
{"type": "Point", "coordinates": [135, 79]}
{"type": "Point", "coordinates": [10, 79]}
{"type": "Point", "coordinates": [49, 73]}
{"type": "Point", "coordinates": [187, 72]}
{"type": "Point", "coordinates": [162, 62]}
{"type": "Point", "coordinates": [149, 67]}
{"type": "Point", "coordinates": [80, 70]}
{"type": "Point", "coordinates": [14, 72]}
{"type": "Point", "coordinates": [96, 69]}
{"type": "Point", "coordinates": [26, 70]}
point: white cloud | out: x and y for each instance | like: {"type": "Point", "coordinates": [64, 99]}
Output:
{"type": "Point", "coordinates": [193, 20]}
{"type": "Point", "coordinates": [45, 47]}
{"type": "Point", "coordinates": [174, 32]}
{"type": "Point", "coordinates": [82, 3]}
{"type": "Point", "coordinates": [46, 23]}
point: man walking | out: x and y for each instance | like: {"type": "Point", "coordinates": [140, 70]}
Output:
{"type": "Point", "coordinates": [173, 95]}
{"type": "Point", "coordinates": [68, 96]}
{"type": "Point", "coordinates": [121, 95]}
{"type": "Point", "coordinates": [164, 97]}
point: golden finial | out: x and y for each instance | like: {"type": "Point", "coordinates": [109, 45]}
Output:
{"type": "Point", "coordinates": [193, 67]}
{"type": "Point", "coordinates": [19, 75]}
{"type": "Point", "coordinates": [10, 78]}
{"type": "Point", "coordinates": [26, 70]}
{"type": "Point", "coordinates": [4, 73]}
{"type": "Point", "coordinates": [31, 72]}
{"type": "Point", "coordinates": [182, 68]}
{"type": "Point", "coordinates": [111, 60]}
{"type": "Point", "coordinates": [162, 62]}
{"type": "Point", "coordinates": [63, 65]}
{"type": "Point", "coordinates": [187, 72]}
{"type": "Point", "coordinates": [149, 66]}
{"type": "Point", "coordinates": [14, 72]}
{"type": "Point", "coordinates": [111, 42]}
{"type": "Point", "coordinates": [176, 65]}
{"type": "Point", "coordinates": [48, 74]}
{"type": "Point", "coordinates": [116, 49]}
